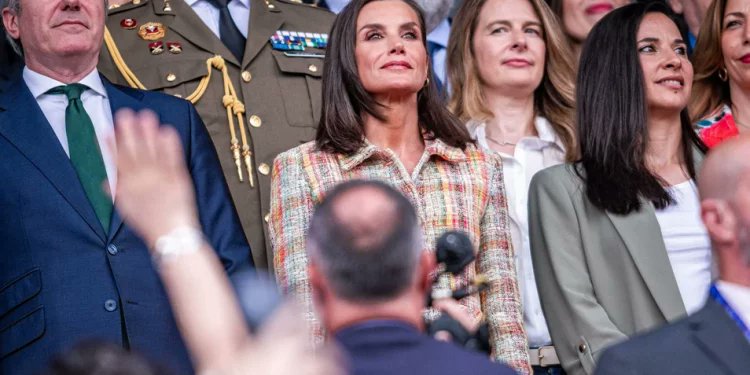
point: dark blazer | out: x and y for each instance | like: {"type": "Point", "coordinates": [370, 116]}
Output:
{"type": "Point", "coordinates": [397, 348]}
{"type": "Point", "coordinates": [707, 342]}
{"type": "Point", "coordinates": [62, 278]}
{"type": "Point", "coordinates": [10, 62]}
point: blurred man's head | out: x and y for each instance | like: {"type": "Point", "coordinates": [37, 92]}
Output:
{"type": "Point", "coordinates": [366, 256]}
{"type": "Point", "coordinates": [724, 184]}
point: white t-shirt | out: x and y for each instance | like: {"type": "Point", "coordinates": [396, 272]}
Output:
{"type": "Point", "coordinates": [688, 245]}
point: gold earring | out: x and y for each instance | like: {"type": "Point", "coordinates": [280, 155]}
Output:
{"type": "Point", "coordinates": [427, 82]}
{"type": "Point", "coordinates": [723, 74]}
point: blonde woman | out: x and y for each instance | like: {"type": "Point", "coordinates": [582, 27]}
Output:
{"type": "Point", "coordinates": [512, 77]}
{"type": "Point", "coordinates": [720, 104]}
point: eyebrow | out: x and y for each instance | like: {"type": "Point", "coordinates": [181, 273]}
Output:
{"type": "Point", "coordinates": [380, 26]}
{"type": "Point", "coordinates": [507, 23]}
{"type": "Point", "coordinates": [735, 14]}
{"type": "Point", "coordinates": [652, 40]}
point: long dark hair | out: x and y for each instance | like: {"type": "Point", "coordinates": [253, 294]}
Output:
{"type": "Point", "coordinates": [612, 116]}
{"type": "Point", "coordinates": [346, 102]}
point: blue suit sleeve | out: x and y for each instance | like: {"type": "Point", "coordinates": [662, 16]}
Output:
{"type": "Point", "coordinates": [218, 216]}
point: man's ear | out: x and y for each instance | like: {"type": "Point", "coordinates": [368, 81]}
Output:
{"type": "Point", "coordinates": [720, 221]}
{"type": "Point", "coordinates": [10, 21]}
{"type": "Point", "coordinates": [676, 6]}
{"type": "Point", "coordinates": [425, 269]}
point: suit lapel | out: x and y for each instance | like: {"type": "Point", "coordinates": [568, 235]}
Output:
{"type": "Point", "coordinates": [720, 338]}
{"type": "Point", "coordinates": [263, 24]}
{"type": "Point", "coordinates": [192, 28]}
{"type": "Point", "coordinates": [24, 125]}
{"type": "Point", "coordinates": [119, 99]}
{"type": "Point", "coordinates": [641, 234]}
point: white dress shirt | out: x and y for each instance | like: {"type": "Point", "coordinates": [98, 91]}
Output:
{"type": "Point", "coordinates": [95, 102]}
{"type": "Point", "coordinates": [209, 14]}
{"type": "Point", "coordinates": [688, 245]}
{"type": "Point", "coordinates": [738, 297]}
{"type": "Point", "coordinates": [531, 155]}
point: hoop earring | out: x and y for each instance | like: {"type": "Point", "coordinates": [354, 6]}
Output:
{"type": "Point", "coordinates": [723, 74]}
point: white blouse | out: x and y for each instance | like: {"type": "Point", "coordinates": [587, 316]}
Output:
{"type": "Point", "coordinates": [688, 245]}
{"type": "Point", "coordinates": [531, 155]}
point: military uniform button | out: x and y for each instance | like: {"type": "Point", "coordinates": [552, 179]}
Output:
{"type": "Point", "coordinates": [264, 169]}
{"type": "Point", "coordinates": [177, 96]}
{"type": "Point", "coordinates": [255, 121]}
{"type": "Point", "coordinates": [110, 305]}
{"type": "Point", "coordinates": [112, 249]}
{"type": "Point", "coordinates": [267, 217]}
{"type": "Point", "coordinates": [313, 68]}
{"type": "Point", "coordinates": [582, 348]}
{"type": "Point", "coordinates": [246, 76]}
{"type": "Point", "coordinates": [171, 77]}
{"type": "Point", "coordinates": [136, 2]}
{"type": "Point", "coordinates": [271, 6]}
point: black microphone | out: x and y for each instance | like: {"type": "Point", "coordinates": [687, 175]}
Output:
{"type": "Point", "coordinates": [455, 251]}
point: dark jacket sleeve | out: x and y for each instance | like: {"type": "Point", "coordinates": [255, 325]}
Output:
{"type": "Point", "coordinates": [218, 216]}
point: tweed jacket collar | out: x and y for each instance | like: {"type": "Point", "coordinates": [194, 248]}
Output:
{"type": "Point", "coordinates": [433, 147]}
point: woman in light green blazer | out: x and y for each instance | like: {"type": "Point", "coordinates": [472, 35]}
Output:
{"type": "Point", "coordinates": [617, 243]}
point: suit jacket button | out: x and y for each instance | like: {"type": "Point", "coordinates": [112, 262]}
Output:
{"type": "Point", "coordinates": [264, 169]}
{"type": "Point", "coordinates": [582, 348]}
{"type": "Point", "coordinates": [112, 249]}
{"type": "Point", "coordinates": [110, 305]}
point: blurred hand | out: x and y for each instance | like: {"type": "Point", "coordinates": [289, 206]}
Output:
{"type": "Point", "coordinates": [154, 189]}
{"type": "Point", "coordinates": [456, 311]}
{"type": "Point", "coordinates": [283, 347]}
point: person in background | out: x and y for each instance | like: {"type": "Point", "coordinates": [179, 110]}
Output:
{"type": "Point", "coordinates": [438, 25]}
{"type": "Point", "coordinates": [616, 239]}
{"type": "Point", "coordinates": [361, 231]}
{"type": "Point", "coordinates": [69, 268]}
{"type": "Point", "coordinates": [716, 339]}
{"type": "Point", "coordinates": [257, 97]}
{"type": "Point", "coordinates": [720, 104]}
{"type": "Point", "coordinates": [512, 76]}
{"type": "Point", "coordinates": [693, 12]}
{"type": "Point", "coordinates": [383, 120]}
{"type": "Point", "coordinates": [579, 16]}
{"type": "Point", "coordinates": [10, 61]}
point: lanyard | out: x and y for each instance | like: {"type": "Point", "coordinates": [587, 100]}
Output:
{"type": "Point", "coordinates": [730, 311]}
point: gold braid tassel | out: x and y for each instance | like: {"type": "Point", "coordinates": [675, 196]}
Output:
{"type": "Point", "coordinates": [230, 101]}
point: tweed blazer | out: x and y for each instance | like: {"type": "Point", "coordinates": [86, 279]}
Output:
{"type": "Point", "coordinates": [602, 277]}
{"type": "Point", "coordinates": [450, 189]}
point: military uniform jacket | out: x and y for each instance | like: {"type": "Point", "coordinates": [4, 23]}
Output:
{"type": "Point", "coordinates": [281, 94]}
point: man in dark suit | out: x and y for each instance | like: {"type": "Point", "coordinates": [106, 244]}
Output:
{"type": "Point", "coordinates": [716, 339]}
{"type": "Point", "coordinates": [370, 277]}
{"type": "Point", "coordinates": [69, 268]}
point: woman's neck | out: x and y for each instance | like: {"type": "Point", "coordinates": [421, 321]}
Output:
{"type": "Point", "coordinates": [664, 153]}
{"type": "Point", "coordinates": [740, 103]}
{"type": "Point", "coordinates": [399, 132]}
{"type": "Point", "coordinates": [513, 119]}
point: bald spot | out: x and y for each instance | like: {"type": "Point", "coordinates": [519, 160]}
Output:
{"type": "Point", "coordinates": [367, 214]}
{"type": "Point", "coordinates": [726, 166]}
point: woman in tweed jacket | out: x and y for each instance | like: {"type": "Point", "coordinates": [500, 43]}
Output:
{"type": "Point", "coordinates": [382, 119]}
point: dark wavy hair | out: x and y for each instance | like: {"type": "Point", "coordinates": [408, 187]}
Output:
{"type": "Point", "coordinates": [346, 102]}
{"type": "Point", "coordinates": [612, 116]}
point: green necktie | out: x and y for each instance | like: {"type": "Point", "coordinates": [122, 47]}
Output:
{"type": "Point", "coordinates": [84, 151]}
